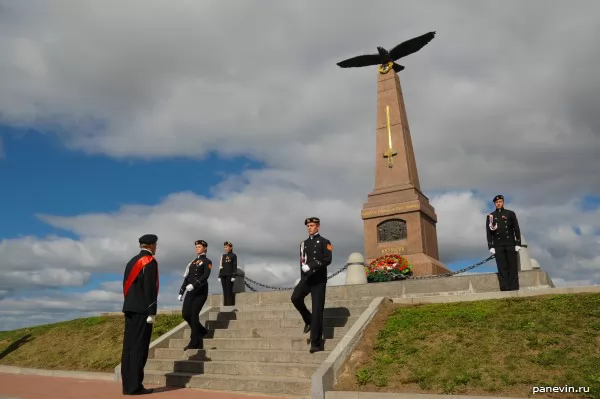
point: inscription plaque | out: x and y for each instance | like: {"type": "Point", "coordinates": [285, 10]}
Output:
{"type": "Point", "coordinates": [391, 230]}
{"type": "Point", "coordinates": [392, 250]}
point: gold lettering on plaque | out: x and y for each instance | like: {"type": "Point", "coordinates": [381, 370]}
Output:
{"type": "Point", "coordinates": [384, 211]}
{"type": "Point", "coordinates": [393, 250]}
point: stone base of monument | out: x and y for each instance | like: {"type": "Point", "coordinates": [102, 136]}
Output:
{"type": "Point", "coordinates": [424, 265]}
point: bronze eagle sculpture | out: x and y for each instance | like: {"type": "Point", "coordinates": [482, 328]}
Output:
{"type": "Point", "coordinates": [386, 59]}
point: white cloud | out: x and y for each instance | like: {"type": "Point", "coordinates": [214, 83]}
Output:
{"type": "Point", "coordinates": [493, 99]}
{"type": "Point", "coordinates": [496, 103]}
{"type": "Point", "coordinates": [53, 277]}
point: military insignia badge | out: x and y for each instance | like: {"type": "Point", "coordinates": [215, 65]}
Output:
{"type": "Point", "coordinates": [210, 265]}
{"type": "Point", "coordinates": [329, 247]}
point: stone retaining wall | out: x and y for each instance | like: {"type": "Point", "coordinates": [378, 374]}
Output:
{"type": "Point", "coordinates": [454, 285]}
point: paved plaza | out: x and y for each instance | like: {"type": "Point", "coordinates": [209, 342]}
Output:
{"type": "Point", "coordinates": [19, 386]}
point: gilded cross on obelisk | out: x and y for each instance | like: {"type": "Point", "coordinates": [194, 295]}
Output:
{"type": "Point", "coordinates": [390, 152]}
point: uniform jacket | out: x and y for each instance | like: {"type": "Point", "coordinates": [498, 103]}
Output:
{"type": "Point", "coordinates": [504, 230]}
{"type": "Point", "coordinates": [228, 266]}
{"type": "Point", "coordinates": [143, 293]}
{"type": "Point", "coordinates": [316, 252]}
{"type": "Point", "coordinates": [197, 274]}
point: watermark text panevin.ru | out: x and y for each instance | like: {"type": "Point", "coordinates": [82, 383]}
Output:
{"type": "Point", "coordinates": [564, 389]}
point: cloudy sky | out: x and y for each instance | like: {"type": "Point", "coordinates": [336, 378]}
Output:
{"type": "Point", "coordinates": [231, 121]}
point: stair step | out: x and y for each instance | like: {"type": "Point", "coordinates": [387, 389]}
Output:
{"type": "Point", "coordinates": [254, 348]}
{"type": "Point", "coordinates": [295, 370]}
{"type": "Point", "coordinates": [257, 332]}
{"type": "Point", "coordinates": [276, 323]}
{"type": "Point", "coordinates": [223, 382]}
{"type": "Point", "coordinates": [261, 314]}
{"type": "Point", "coordinates": [273, 343]}
{"type": "Point", "coordinates": [288, 305]}
{"type": "Point", "coordinates": [243, 355]}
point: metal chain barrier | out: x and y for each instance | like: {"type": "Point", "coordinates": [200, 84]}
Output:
{"type": "Point", "coordinates": [248, 280]}
{"type": "Point", "coordinates": [456, 272]}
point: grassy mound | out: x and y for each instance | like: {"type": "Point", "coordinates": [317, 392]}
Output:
{"type": "Point", "coordinates": [92, 344]}
{"type": "Point", "coordinates": [495, 347]}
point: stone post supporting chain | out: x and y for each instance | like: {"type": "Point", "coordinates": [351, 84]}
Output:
{"type": "Point", "coordinates": [355, 274]}
{"type": "Point", "coordinates": [524, 258]}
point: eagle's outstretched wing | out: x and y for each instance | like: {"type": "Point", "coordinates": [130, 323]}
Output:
{"type": "Point", "coordinates": [397, 68]}
{"type": "Point", "coordinates": [411, 46]}
{"type": "Point", "coordinates": [361, 61]}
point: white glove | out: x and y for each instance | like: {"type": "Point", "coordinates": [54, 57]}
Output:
{"type": "Point", "coordinates": [493, 251]}
{"type": "Point", "coordinates": [150, 319]}
{"type": "Point", "coordinates": [179, 297]}
{"type": "Point", "coordinates": [517, 248]}
{"type": "Point", "coordinates": [189, 287]}
{"type": "Point", "coordinates": [305, 268]}
{"type": "Point", "coordinates": [219, 279]}
{"type": "Point", "coordinates": [232, 279]}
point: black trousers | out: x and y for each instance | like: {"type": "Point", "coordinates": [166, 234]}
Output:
{"type": "Point", "coordinates": [136, 343]}
{"type": "Point", "coordinates": [192, 305]}
{"type": "Point", "coordinates": [508, 268]}
{"type": "Point", "coordinates": [228, 295]}
{"type": "Point", "coordinates": [317, 292]}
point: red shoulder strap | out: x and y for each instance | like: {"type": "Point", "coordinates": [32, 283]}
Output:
{"type": "Point", "coordinates": [135, 271]}
{"type": "Point", "coordinates": [157, 278]}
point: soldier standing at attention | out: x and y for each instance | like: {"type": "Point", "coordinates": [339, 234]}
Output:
{"type": "Point", "coordinates": [140, 291]}
{"type": "Point", "coordinates": [195, 282]}
{"type": "Point", "coordinates": [504, 241]}
{"type": "Point", "coordinates": [227, 273]}
{"type": "Point", "coordinates": [315, 256]}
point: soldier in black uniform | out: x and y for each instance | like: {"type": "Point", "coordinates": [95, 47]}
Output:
{"type": "Point", "coordinates": [140, 291]}
{"type": "Point", "coordinates": [195, 282]}
{"type": "Point", "coordinates": [504, 241]}
{"type": "Point", "coordinates": [227, 273]}
{"type": "Point", "coordinates": [315, 256]}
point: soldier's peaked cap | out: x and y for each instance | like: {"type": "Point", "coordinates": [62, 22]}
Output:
{"type": "Point", "coordinates": [228, 243]}
{"type": "Point", "coordinates": [201, 242]}
{"type": "Point", "coordinates": [498, 197]}
{"type": "Point", "coordinates": [148, 239]}
{"type": "Point", "coordinates": [312, 220]}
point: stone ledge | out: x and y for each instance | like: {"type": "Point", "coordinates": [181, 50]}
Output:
{"type": "Point", "coordinates": [326, 375]}
{"type": "Point", "coordinates": [86, 375]}
{"type": "Point", "coordinates": [449, 297]}
{"type": "Point", "coordinates": [386, 395]}
{"type": "Point", "coordinates": [461, 284]}
{"type": "Point", "coordinates": [161, 311]}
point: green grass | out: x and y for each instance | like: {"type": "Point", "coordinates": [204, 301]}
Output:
{"type": "Point", "coordinates": [488, 347]}
{"type": "Point", "coordinates": [92, 344]}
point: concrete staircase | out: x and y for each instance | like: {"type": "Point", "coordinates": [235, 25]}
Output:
{"type": "Point", "coordinates": [257, 348]}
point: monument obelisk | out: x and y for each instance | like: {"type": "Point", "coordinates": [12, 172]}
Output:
{"type": "Point", "coordinates": [398, 218]}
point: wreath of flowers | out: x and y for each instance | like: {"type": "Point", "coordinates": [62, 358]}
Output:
{"type": "Point", "coordinates": [388, 268]}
